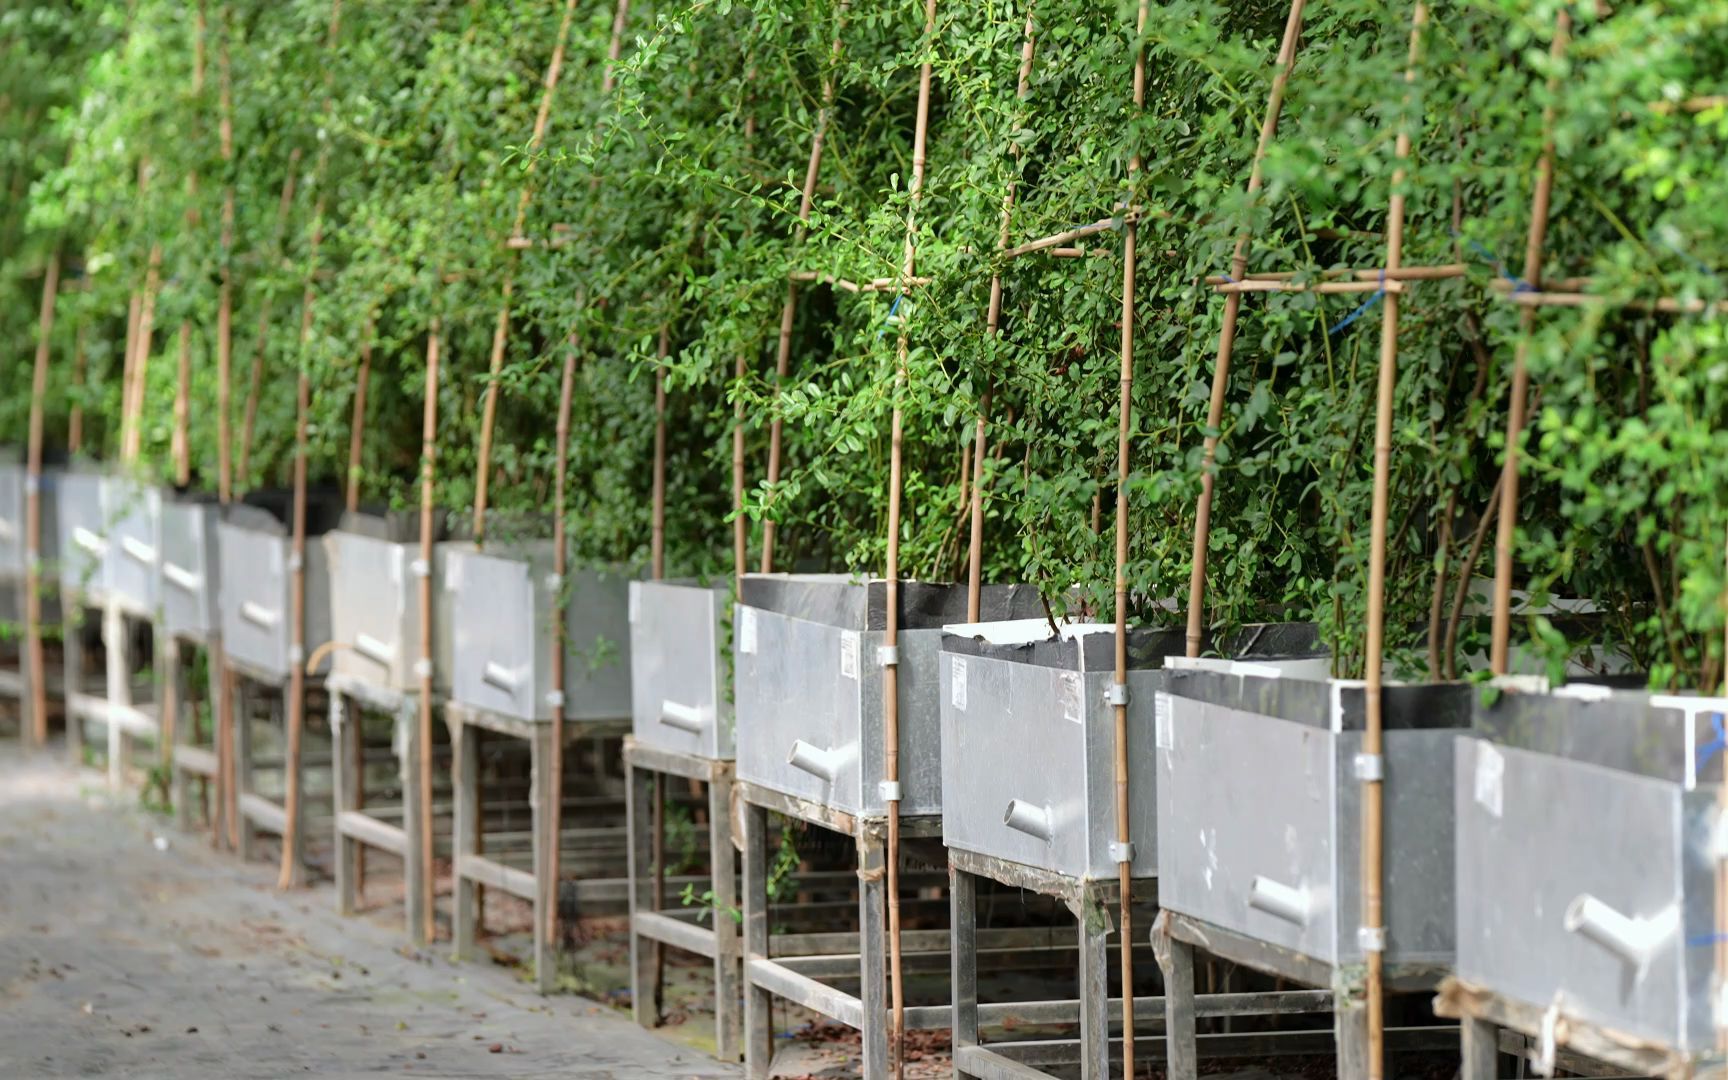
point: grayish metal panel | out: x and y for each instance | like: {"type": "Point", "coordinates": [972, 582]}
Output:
{"type": "Point", "coordinates": [501, 616]}
{"type": "Point", "coordinates": [12, 539]}
{"type": "Point", "coordinates": [191, 576]}
{"type": "Point", "coordinates": [83, 534]}
{"type": "Point", "coordinates": [1247, 809]}
{"type": "Point", "coordinates": [375, 611]}
{"type": "Point", "coordinates": [1538, 833]}
{"type": "Point", "coordinates": [680, 693]}
{"type": "Point", "coordinates": [792, 687]}
{"type": "Point", "coordinates": [133, 567]}
{"type": "Point", "coordinates": [255, 597]}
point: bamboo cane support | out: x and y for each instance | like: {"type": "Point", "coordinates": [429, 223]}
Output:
{"type": "Point", "coordinates": [740, 526]}
{"type": "Point", "coordinates": [180, 447]}
{"type": "Point", "coordinates": [789, 309]}
{"type": "Point", "coordinates": [1373, 786]}
{"type": "Point", "coordinates": [501, 332]}
{"type": "Point", "coordinates": [896, 460]}
{"type": "Point", "coordinates": [33, 509]}
{"type": "Point", "coordinates": [75, 421]}
{"type": "Point", "coordinates": [297, 590]}
{"type": "Point", "coordinates": [1227, 337]}
{"type": "Point", "coordinates": [428, 478]}
{"type": "Point", "coordinates": [992, 327]}
{"type": "Point", "coordinates": [225, 297]}
{"type": "Point", "coordinates": [256, 382]}
{"type": "Point", "coordinates": [1506, 530]}
{"type": "Point", "coordinates": [132, 420]}
{"type": "Point", "coordinates": [1124, 430]}
{"type": "Point", "coordinates": [554, 824]}
{"type": "Point", "coordinates": [357, 429]}
{"type": "Point", "coordinates": [657, 529]}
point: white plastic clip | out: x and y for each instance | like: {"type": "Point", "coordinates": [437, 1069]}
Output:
{"type": "Point", "coordinates": [555, 698]}
{"type": "Point", "coordinates": [296, 655]}
{"type": "Point", "coordinates": [888, 790]}
{"type": "Point", "coordinates": [1370, 768]}
{"type": "Point", "coordinates": [32, 484]}
{"type": "Point", "coordinates": [554, 582]}
{"type": "Point", "coordinates": [420, 568]}
{"type": "Point", "coordinates": [1121, 851]}
{"type": "Point", "coordinates": [1543, 1055]}
{"type": "Point", "coordinates": [423, 668]}
{"type": "Point", "coordinates": [1371, 938]}
{"type": "Point", "coordinates": [888, 655]}
{"type": "Point", "coordinates": [295, 562]}
{"type": "Point", "coordinates": [1116, 694]}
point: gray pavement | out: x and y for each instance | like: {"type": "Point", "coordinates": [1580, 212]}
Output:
{"type": "Point", "coordinates": [128, 949]}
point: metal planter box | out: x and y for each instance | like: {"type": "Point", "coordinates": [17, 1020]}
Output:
{"type": "Point", "coordinates": [83, 539]}
{"type": "Point", "coordinates": [502, 612]}
{"type": "Point", "coordinates": [1588, 833]}
{"type": "Point", "coordinates": [256, 591]}
{"type": "Point", "coordinates": [375, 605]}
{"type": "Point", "coordinates": [808, 685]}
{"type": "Point", "coordinates": [133, 511]}
{"type": "Point", "coordinates": [1259, 810]}
{"type": "Point", "coordinates": [1028, 738]}
{"type": "Point", "coordinates": [191, 580]}
{"type": "Point", "coordinates": [14, 479]}
{"type": "Point", "coordinates": [680, 687]}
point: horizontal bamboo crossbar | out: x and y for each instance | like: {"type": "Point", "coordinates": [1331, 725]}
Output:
{"type": "Point", "coordinates": [1255, 285]}
{"type": "Point", "coordinates": [1402, 273]}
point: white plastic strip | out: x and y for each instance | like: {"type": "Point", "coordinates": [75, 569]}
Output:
{"type": "Point", "coordinates": [259, 615]}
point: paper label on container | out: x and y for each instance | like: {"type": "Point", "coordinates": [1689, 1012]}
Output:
{"type": "Point", "coordinates": [1490, 777]}
{"type": "Point", "coordinates": [1162, 708]}
{"type": "Point", "coordinates": [452, 575]}
{"type": "Point", "coordinates": [746, 630]}
{"type": "Point", "coordinates": [635, 601]}
{"type": "Point", "coordinates": [849, 654]}
{"type": "Point", "coordinates": [1070, 694]}
{"type": "Point", "coordinates": [957, 682]}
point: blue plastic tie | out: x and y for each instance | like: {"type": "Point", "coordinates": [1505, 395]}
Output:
{"type": "Point", "coordinates": [1363, 309]}
{"type": "Point", "coordinates": [1714, 746]}
{"type": "Point", "coordinates": [889, 321]}
{"type": "Point", "coordinates": [1696, 262]}
{"type": "Point", "coordinates": [1518, 284]}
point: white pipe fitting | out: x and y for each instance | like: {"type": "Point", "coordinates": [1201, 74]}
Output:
{"type": "Point", "coordinates": [1279, 900]}
{"type": "Point", "coordinates": [1037, 821]}
{"type": "Point", "coordinates": [182, 578]}
{"type": "Point", "coordinates": [259, 615]}
{"type": "Point", "coordinates": [820, 763]}
{"type": "Point", "coordinates": [1634, 938]}
{"type": "Point", "coordinates": [8, 530]}
{"type": "Point", "coordinates": [138, 549]}
{"type": "Point", "coordinates": [497, 675]}
{"type": "Point", "coordinates": [372, 649]}
{"type": "Point", "coordinates": [690, 718]}
{"type": "Point", "coordinates": [89, 541]}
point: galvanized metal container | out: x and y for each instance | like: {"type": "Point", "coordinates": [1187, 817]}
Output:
{"type": "Point", "coordinates": [191, 579]}
{"type": "Point", "coordinates": [375, 602]}
{"type": "Point", "coordinates": [808, 685]}
{"type": "Point", "coordinates": [1029, 735]}
{"type": "Point", "coordinates": [14, 480]}
{"type": "Point", "coordinates": [680, 683]}
{"type": "Point", "coordinates": [83, 534]}
{"type": "Point", "coordinates": [256, 591]}
{"type": "Point", "coordinates": [1589, 828]}
{"type": "Point", "coordinates": [1259, 810]}
{"type": "Point", "coordinates": [133, 511]}
{"type": "Point", "coordinates": [502, 612]}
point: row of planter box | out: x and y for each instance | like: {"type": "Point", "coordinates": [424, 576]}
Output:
{"type": "Point", "coordinates": [1551, 847]}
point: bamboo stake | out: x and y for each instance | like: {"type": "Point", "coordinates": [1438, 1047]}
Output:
{"type": "Point", "coordinates": [1227, 337]}
{"type": "Point", "coordinates": [75, 422]}
{"type": "Point", "coordinates": [740, 527]}
{"type": "Point", "coordinates": [554, 825]}
{"type": "Point", "coordinates": [501, 332]}
{"type": "Point", "coordinates": [992, 327]}
{"type": "Point", "coordinates": [297, 592]}
{"type": "Point", "coordinates": [1124, 421]}
{"type": "Point", "coordinates": [357, 429]}
{"type": "Point", "coordinates": [226, 818]}
{"type": "Point", "coordinates": [428, 476]}
{"type": "Point", "coordinates": [789, 310]}
{"type": "Point", "coordinates": [282, 208]}
{"type": "Point", "coordinates": [33, 510]}
{"type": "Point", "coordinates": [891, 670]}
{"type": "Point", "coordinates": [1373, 785]}
{"type": "Point", "coordinates": [180, 446]}
{"type": "Point", "coordinates": [133, 418]}
{"type": "Point", "coordinates": [1507, 528]}
{"type": "Point", "coordinates": [657, 530]}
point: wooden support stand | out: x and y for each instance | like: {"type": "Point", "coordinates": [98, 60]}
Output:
{"type": "Point", "coordinates": [719, 941]}
{"type": "Point", "coordinates": [1496, 1032]}
{"type": "Point", "coordinates": [350, 699]}
{"type": "Point", "coordinates": [472, 869]}
{"type": "Point", "coordinates": [257, 812]}
{"type": "Point", "coordinates": [191, 764]}
{"type": "Point", "coordinates": [113, 709]}
{"type": "Point", "coordinates": [15, 684]}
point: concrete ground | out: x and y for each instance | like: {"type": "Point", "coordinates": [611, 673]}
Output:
{"type": "Point", "coordinates": [128, 949]}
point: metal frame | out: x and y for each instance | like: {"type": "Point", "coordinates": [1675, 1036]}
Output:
{"type": "Point", "coordinates": [1176, 936]}
{"type": "Point", "coordinates": [352, 827]}
{"type": "Point", "coordinates": [471, 869]}
{"type": "Point", "coordinates": [1486, 1019]}
{"type": "Point", "coordinates": [720, 941]}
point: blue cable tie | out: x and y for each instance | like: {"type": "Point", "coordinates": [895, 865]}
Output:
{"type": "Point", "coordinates": [1363, 308]}
{"type": "Point", "coordinates": [1698, 263]}
{"type": "Point", "coordinates": [889, 321]}
{"type": "Point", "coordinates": [1714, 746]}
{"type": "Point", "coordinates": [1518, 284]}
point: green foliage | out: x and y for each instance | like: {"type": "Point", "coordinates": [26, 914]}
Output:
{"type": "Point", "coordinates": [673, 198]}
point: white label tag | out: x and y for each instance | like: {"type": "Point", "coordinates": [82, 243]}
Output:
{"type": "Point", "coordinates": [452, 574]}
{"type": "Point", "coordinates": [746, 630]}
{"type": "Point", "coordinates": [635, 601]}
{"type": "Point", "coordinates": [849, 654]}
{"type": "Point", "coordinates": [1490, 777]}
{"type": "Point", "coordinates": [957, 682]}
{"type": "Point", "coordinates": [1162, 710]}
{"type": "Point", "coordinates": [1070, 693]}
